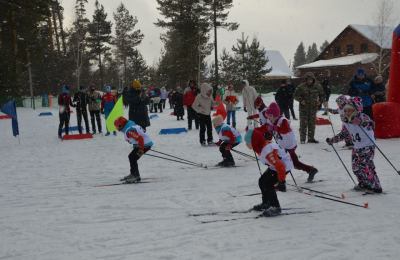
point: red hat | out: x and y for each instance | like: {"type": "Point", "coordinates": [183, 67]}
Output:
{"type": "Point", "coordinates": [258, 141]}
{"type": "Point", "coordinates": [230, 85]}
{"type": "Point", "coordinates": [258, 102]}
{"type": "Point", "coordinates": [273, 110]}
{"type": "Point", "coordinates": [120, 123]}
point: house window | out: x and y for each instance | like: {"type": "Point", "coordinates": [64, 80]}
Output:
{"type": "Point", "coordinates": [364, 47]}
{"type": "Point", "coordinates": [336, 51]}
{"type": "Point", "coordinates": [350, 49]}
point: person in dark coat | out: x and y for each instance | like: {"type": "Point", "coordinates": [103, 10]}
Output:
{"type": "Point", "coordinates": [64, 101]}
{"type": "Point", "coordinates": [282, 98]}
{"type": "Point", "coordinates": [170, 95]}
{"type": "Point", "coordinates": [292, 88]}
{"type": "Point", "coordinates": [81, 99]}
{"type": "Point", "coordinates": [125, 96]}
{"type": "Point", "coordinates": [362, 86]}
{"type": "Point", "coordinates": [380, 94]}
{"type": "Point", "coordinates": [177, 99]}
{"type": "Point", "coordinates": [138, 101]}
{"type": "Point", "coordinates": [327, 91]}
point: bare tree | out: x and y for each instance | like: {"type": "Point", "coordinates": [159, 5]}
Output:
{"type": "Point", "coordinates": [384, 20]}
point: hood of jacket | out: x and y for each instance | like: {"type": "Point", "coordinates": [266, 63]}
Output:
{"type": "Point", "coordinates": [64, 90]}
{"type": "Point", "coordinates": [204, 89]}
{"type": "Point", "coordinates": [247, 82]}
{"type": "Point", "coordinates": [310, 75]}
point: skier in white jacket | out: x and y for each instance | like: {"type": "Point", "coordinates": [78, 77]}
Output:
{"type": "Point", "coordinates": [249, 95]}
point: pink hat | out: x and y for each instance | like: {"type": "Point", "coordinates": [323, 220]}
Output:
{"type": "Point", "coordinates": [218, 120]}
{"type": "Point", "coordinates": [273, 109]}
{"type": "Point", "coordinates": [230, 85]}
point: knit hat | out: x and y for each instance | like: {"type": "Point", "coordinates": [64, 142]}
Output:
{"type": "Point", "coordinates": [379, 78]}
{"type": "Point", "coordinates": [258, 102]}
{"type": "Point", "coordinates": [230, 85]}
{"type": "Point", "coordinates": [273, 109]}
{"type": "Point", "coordinates": [120, 123]}
{"type": "Point", "coordinates": [136, 84]}
{"type": "Point", "coordinates": [283, 82]}
{"type": "Point", "coordinates": [108, 89]}
{"type": "Point", "coordinates": [92, 85]}
{"type": "Point", "coordinates": [247, 137]}
{"type": "Point", "coordinates": [218, 120]}
{"type": "Point", "coordinates": [360, 71]}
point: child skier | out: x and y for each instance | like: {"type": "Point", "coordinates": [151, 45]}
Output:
{"type": "Point", "coordinates": [279, 163]}
{"type": "Point", "coordinates": [341, 101]}
{"type": "Point", "coordinates": [260, 106]}
{"type": "Point", "coordinates": [230, 100]}
{"type": "Point", "coordinates": [229, 137]}
{"type": "Point", "coordinates": [107, 103]}
{"type": "Point", "coordinates": [134, 134]}
{"type": "Point", "coordinates": [284, 136]}
{"type": "Point", "coordinates": [364, 150]}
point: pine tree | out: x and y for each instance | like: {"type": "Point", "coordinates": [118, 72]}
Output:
{"type": "Point", "coordinates": [99, 31]}
{"type": "Point", "coordinates": [299, 59]}
{"type": "Point", "coordinates": [126, 38]}
{"type": "Point", "coordinates": [137, 65]}
{"type": "Point", "coordinates": [257, 61]}
{"type": "Point", "coordinates": [312, 53]}
{"type": "Point", "coordinates": [217, 14]}
{"type": "Point", "coordinates": [323, 46]}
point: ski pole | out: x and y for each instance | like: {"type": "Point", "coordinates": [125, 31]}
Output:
{"type": "Point", "coordinates": [243, 154]}
{"type": "Point", "coordinates": [257, 163]}
{"type": "Point", "coordinates": [379, 149]}
{"type": "Point", "coordinates": [176, 161]}
{"type": "Point", "coordinates": [322, 197]}
{"type": "Point", "coordinates": [343, 164]}
{"type": "Point", "coordinates": [329, 116]}
{"type": "Point", "coordinates": [293, 179]}
{"type": "Point", "coordinates": [177, 157]}
{"type": "Point", "coordinates": [318, 192]}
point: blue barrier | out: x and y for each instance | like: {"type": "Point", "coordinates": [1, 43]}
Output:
{"type": "Point", "coordinates": [73, 128]}
{"type": "Point", "coordinates": [322, 109]}
{"type": "Point", "coordinates": [46, 114]}
{"type": "Point", "coordinates": [153, 116]}
{"type": "Point", "coordinates": [238, 108]}
{"type": "Point", "coordinates": [170, 131]}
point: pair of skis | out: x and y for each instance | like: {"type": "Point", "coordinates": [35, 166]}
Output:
{"type": "Point", "coordinates": [143, 181]}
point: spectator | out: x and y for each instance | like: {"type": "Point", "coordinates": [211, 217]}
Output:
{"type": "Point", "coordinates": [292, 89]}
{"type": "Point", "coordinates": [94, 108]}
{"type": "Point", "coordinates": [163, 96]}
{"type": "Point", "coordinates": [282, 98]}
{"type": "Point", "coordinates": [82, 99]}
{"type": "Point", "coordinates": [64, 101]}
{"type": "Point", "coordinates": [177, 99]}
{"type": "Point", "coordinates": [171, 102]}
{"type": "Point", "coordinates": [231, 99]}
{"type": "Point", "coordinates": [380, 94]}
{"type": "Point", "coordinates": [189, 95]}
{"type": "Point", "coordinates": [327, 91]}
{"type": "Point", "coordinates": [249, 95]}
{"type": "Point", "coordinates": [138, 101]}
{"type": "Point", "coordinates": [362, 86]}
{"type": "Point", "coordinates": [310, 95]}
{"type": "Point", "coordinates": [119, 93]}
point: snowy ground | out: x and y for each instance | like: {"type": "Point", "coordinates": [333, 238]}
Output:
{"type": "Point", "coordinates": [45, 214]}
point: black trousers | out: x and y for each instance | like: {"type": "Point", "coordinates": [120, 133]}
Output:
{"type": "Point", "coordinates": [79, 114]}
{"type": "Point", "coordinates": [133, 158]}
{"type": "Point", "coordinates": [163, 103]}
{"type": "Point", "coordinates": [96, 114]}
{"type": "Point", "coordinates": [64, 120]}
{"type": "Point", "coordinates": [192, 115]}
{"type": "Point", "coordinates": [158, 105]}
{"type": "Point", "coordinates": [227, 155]}
{"type": "Point", "coordinates": [285, 111]}
{"type": "Point", "coordinates": [291, 108]}
{"type": "Point", "coordinates": [171, 105]}
{"type": "Point", "coordinates": [266, 184]}
{"type": "Point", "coordinates": [368, 112]}
{"type": "Point", "coordinates": [205, 124]}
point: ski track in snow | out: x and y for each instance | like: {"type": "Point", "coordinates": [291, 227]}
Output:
{"type": "Point", "coordinates": [46, 214]}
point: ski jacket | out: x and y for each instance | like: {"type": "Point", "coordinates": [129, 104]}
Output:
{"type": "Point", "coordinates": [249, 95]}
{"type": "Point", "coordinates": [135, 135]}
{"type": "Point", "coordinates": [164, 94]}
{"type": "Point", "coordinates": [282, 97]}
{"type": "Point", "coordinates": [283, 133]}
{"type": "Point", "coordinates": [379, 94]}
{"type": "Point", "coordinates": [64, 100]}
{"type": "Point", "coordinates": [108, 102]}
{"type": "Point", "coordinates": [229, 134]}
{"type": "Point", "coordinates": [277, 159]}
{"type": "Point", "coordinates": [189, 95]}
{"type": "Point", "coordinates": [230, 99]}
{"type": "Point", "coordinates": [81, 99]}
{"type": "Point", "coordinates": [203, 103]}
{"type": "Point", "coordinates": [170, 95]}
{"type": "Point", "coordinates": [94, 100]}
{"type": "Point", "coordinates": [363, 88]}
{"type": "Point", "coordinates": [291, 87]}
{"type": "Point", "coordinates": [157, 92]}
{"type": "Point", "coordinates": [262, 115]}
{"type": "Point", "coordinates": [311, 94]}
{"type": "Point", "coordinates": [138, 111]}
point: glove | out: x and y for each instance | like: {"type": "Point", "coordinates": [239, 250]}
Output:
{"type": "Point", "coordinates": [185, 107]}
{"type": "Point", "coordinates": [249, 117]}
{"type": "Point", "coordinates": [102, 111]}
{"type": "Point", "coordinates": [282, 186]}
{"type": "Point", "coordinates": [272, 128]}
{"type": "Point", "coordinates": [245, 110]}
{"type": "Point", "coordinates": [228, 147]}
{"type": "Point", "coordinates": [330, 141]}
{"type": "Point", "coordinates": [247, 129]}
{"type": "Point", "coordinates": [218, 143]}
{"type": "Point", "coordinates": [140, 152]}
{"type": "Point", "coordinates": [356, 121]}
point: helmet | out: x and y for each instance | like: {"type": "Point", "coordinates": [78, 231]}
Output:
{"type": "Point", "coordinates": [120, 123]}
{"type": "Point", "coordinates": [108, 89]}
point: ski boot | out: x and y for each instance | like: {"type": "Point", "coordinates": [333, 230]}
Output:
{"type": "Point", "coordinates": [262, 206]}
{"type": "Point", "coordinates": [203, 144]}
{"type": "Point", "coordinates": [134, 179]}
{"type": "Point", "coordinates": [94, 132]}
{"type": "Point", "coordinates": [222, 163]}
{"type": "Point", "coordinates": [272, 211]}
{"type": "Point", "coordinates": [313, 141]}
{"type": "Point", "coordinates": [311, 174]}
{"type": "Point", "coordinates": [229, 163]}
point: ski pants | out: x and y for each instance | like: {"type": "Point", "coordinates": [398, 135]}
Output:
{"type": "Point", "coordinates": [79, 114]}
{"type": "Point", "coordinates": [266, 184]}
{"type": "Point", "coordinates": [192, 115]}
{"type": "Point", "coordinates": [297, 164]}
{"type": "Point", "coordinates": [229, 114]}
{"type": "Point", "coordinates": [93, 114]}
{"type": "Point", "coordinates": [227, 155]}
{"type": "Point", "coordinates": [364, 168]}
{"type": "Point", "coordinates": [134, 157]}
{"type": "Point", "coordinates": [64, 120]}
{"type": "Point", "coordinates": [205, 123]}
{"type": "Point", "coordinates": [252, 111]}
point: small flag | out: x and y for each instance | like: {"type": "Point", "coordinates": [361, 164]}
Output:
{"type": "Point", "coordinates": [11, 110]}
{"type": "Point", "coordinates": [220, 108]}
{"type": "Point", "coordinates": [118, 111]}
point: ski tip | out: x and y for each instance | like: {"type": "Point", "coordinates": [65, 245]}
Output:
{"type": "Point", "coordinates": [366, 205]}
{"type": "Point", "coordinates": [343, 197]}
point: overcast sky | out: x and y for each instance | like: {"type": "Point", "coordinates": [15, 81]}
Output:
{"type": "Point", "coordinates": [278, 24]}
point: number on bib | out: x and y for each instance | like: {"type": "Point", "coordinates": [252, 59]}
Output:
{"type": "Point", "coordinates": [356, 138]}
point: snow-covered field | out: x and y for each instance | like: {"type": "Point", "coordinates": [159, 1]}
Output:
{"type": "Point", "coordinates": [46, 214]}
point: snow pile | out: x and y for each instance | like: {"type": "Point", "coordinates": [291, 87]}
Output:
{"type": "Point", "coordinates": [279, 66]}
{"type": "Point", "coordinates": [342, 61]}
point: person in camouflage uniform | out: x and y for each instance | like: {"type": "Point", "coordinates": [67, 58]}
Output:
{"type": "Point", "coordinates": [310, 95]}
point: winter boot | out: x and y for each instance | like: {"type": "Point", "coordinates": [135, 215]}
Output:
{"type": "Point", "coordinates": [311, 174]}
{"type": "Point", "coordinates": [203, 143]}
{"type": "Point", "coordinates": [228, 123]}
{"type": "Point", "coordinates": [234, 125]}
{"type": "Point", "coordinates": [88, 131]}
{"type": "Point", "coordinates": [115, 133]}
{"type": "Point", "coordinates": [302, 142]}
{"type": "Point", "coordinates": [272, 211]}
{"type": "Point", "coordinates": [94, 132]}
{"type": "Point", "coordinates": [182, 118]}
{"type": "Point", "coordinates": [313, 141]}
{"type": "Point", "coordinates": [60, 136]}
{"type": "Point", "coordinates": [134, 179]}
{"type": "Point", "coordinates": [100, 131]}
{"type": "Point", "coordinates": [295, 118]}
{"type": "Point", "coordinates": [325, 113]}
{"type": "Point", "coordinates": [107, 134]}
{"type": "Point", "coordinates": [262, 206]}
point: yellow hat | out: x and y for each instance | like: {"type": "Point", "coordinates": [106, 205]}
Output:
{"type": "Point", "coordinates": [136, 84]}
